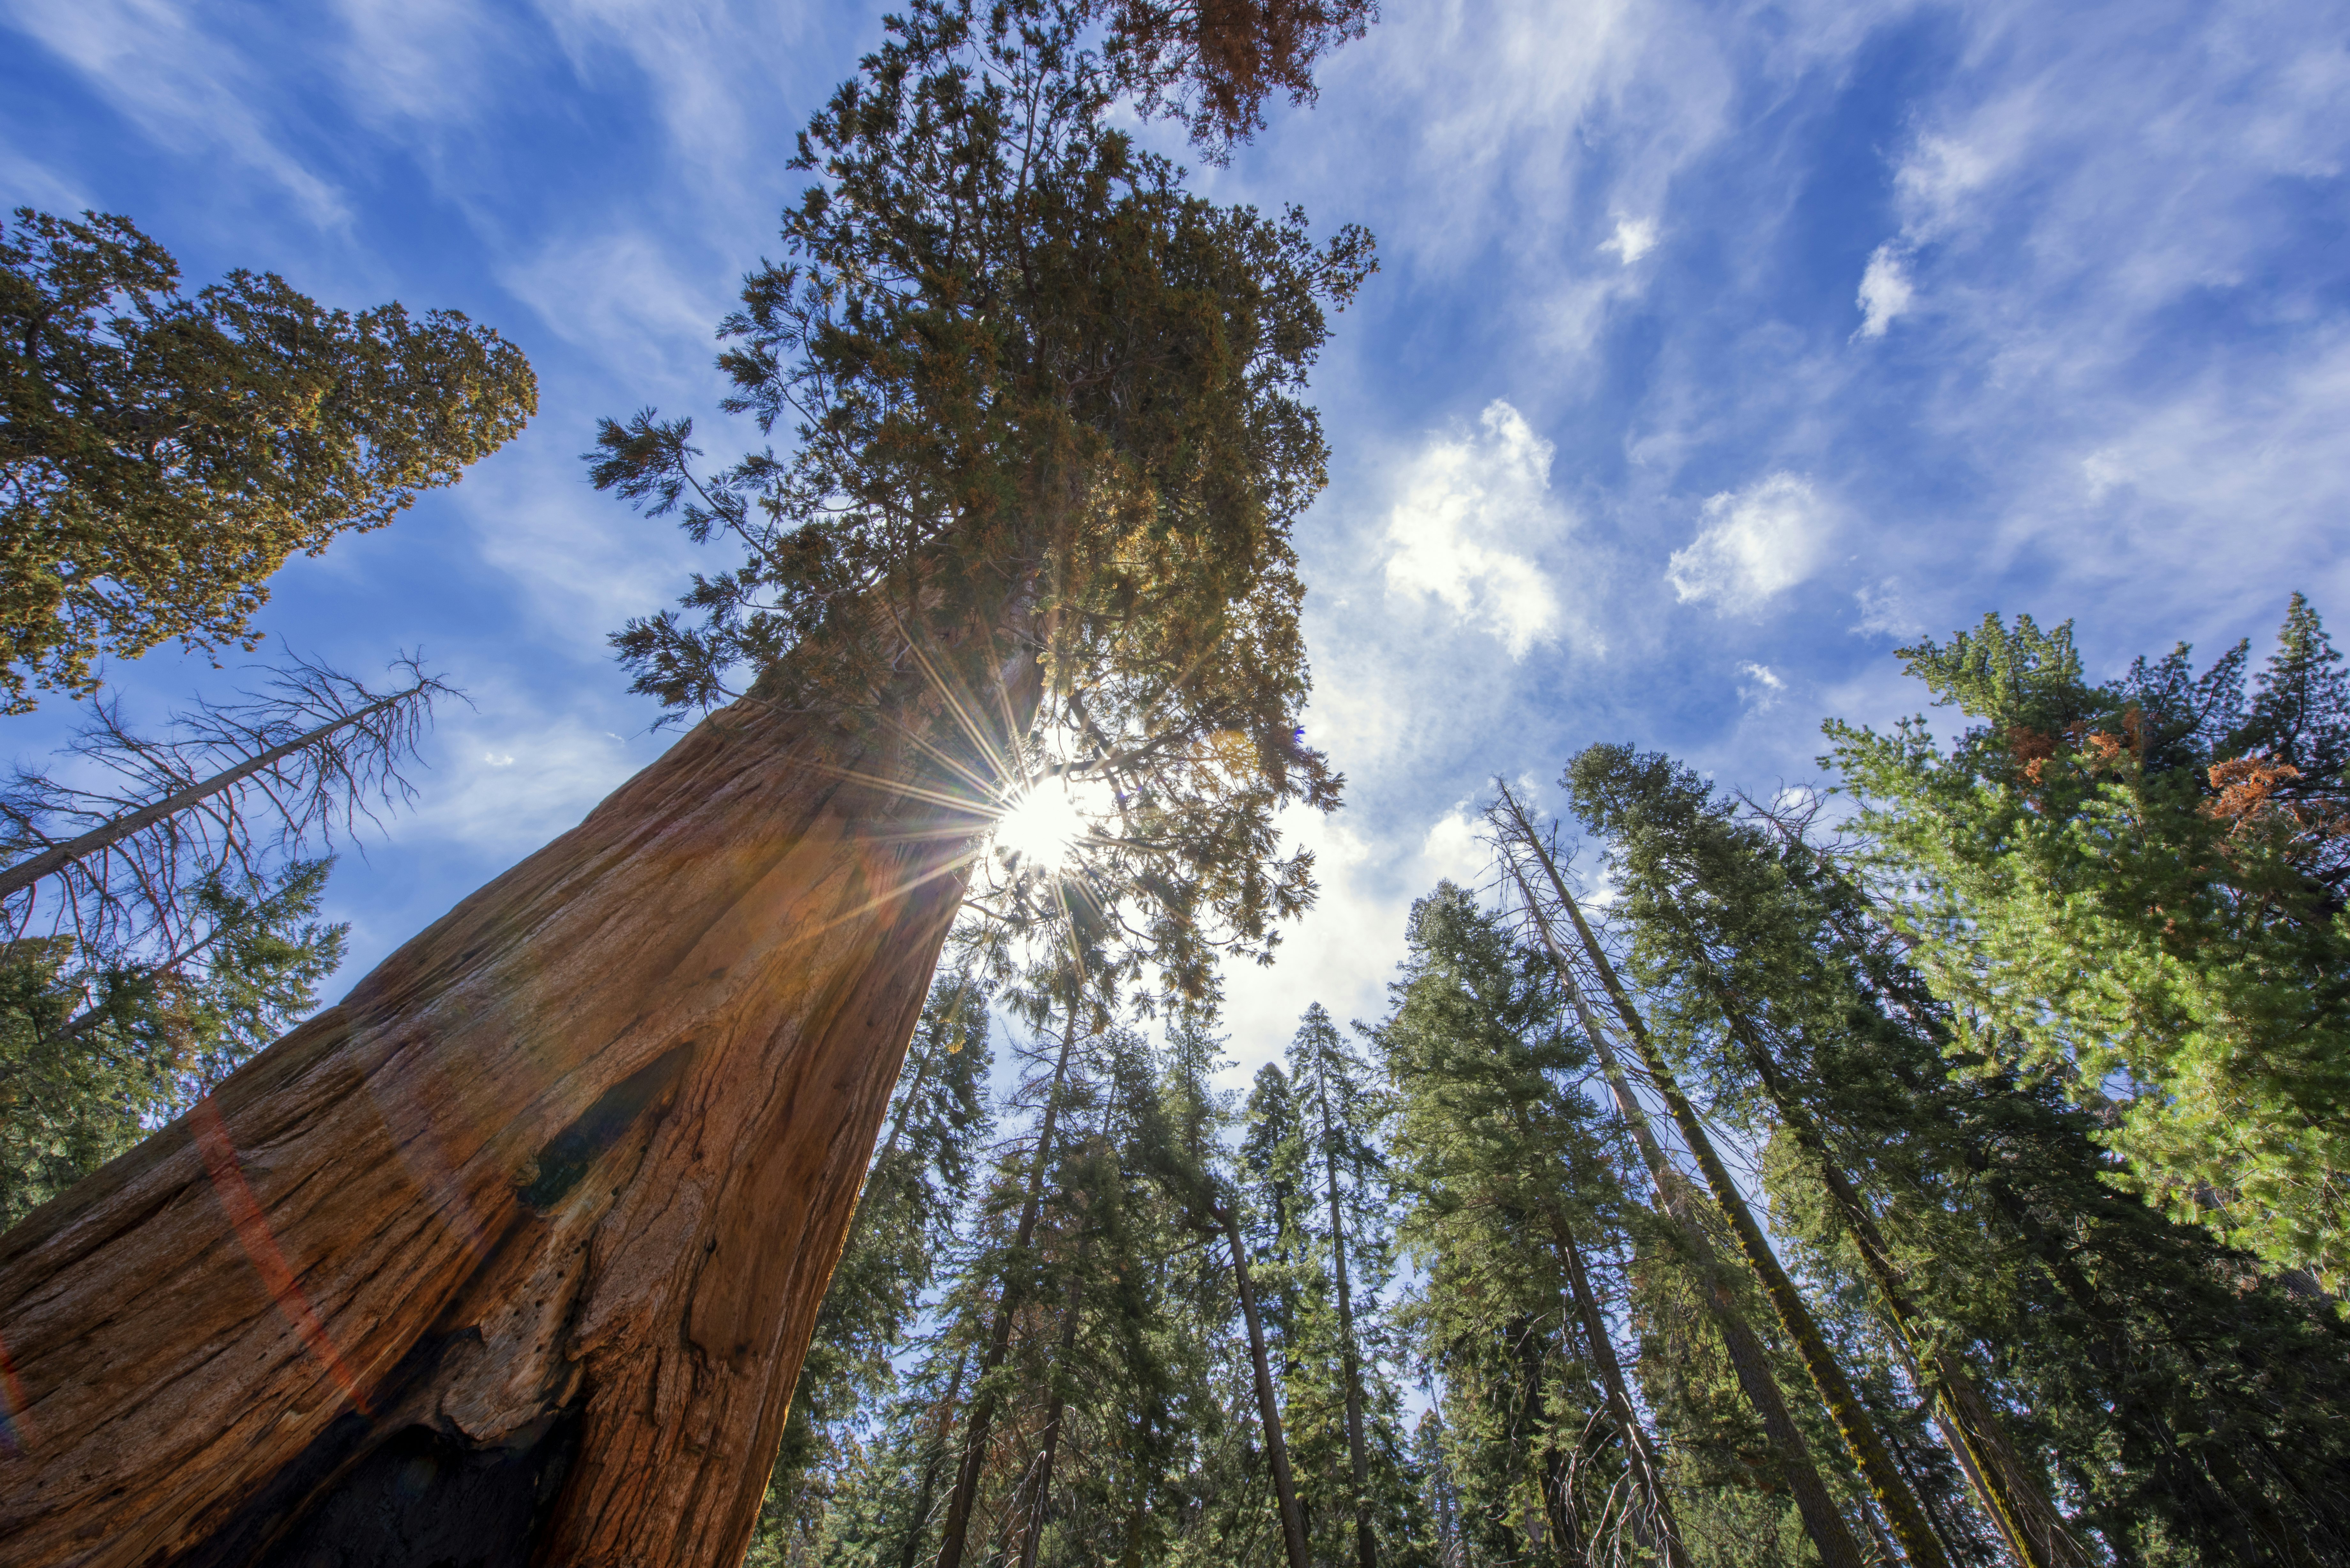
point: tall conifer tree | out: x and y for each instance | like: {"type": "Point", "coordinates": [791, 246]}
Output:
{"type": "Point", "coordinates": [606, 1121]}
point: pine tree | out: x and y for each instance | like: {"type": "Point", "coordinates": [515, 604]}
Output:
{"type": "Point", "coordinates": [1342, 1403]}
{"type": "Point", "coordinates": [160, 456]}
{"type": "Point", "coordinates": [1727, 950]}
{"type": "Point", "coordinates": [1519, 843]}
{"type": "Point", "coordinates": [1513, 1197]}
{"type": "Point", "coordinates": [1969, 1210]}
{"type": "Point", "coordinates": [93, 1056]}
{"type": "Point", "coordinates": [2135, 888]}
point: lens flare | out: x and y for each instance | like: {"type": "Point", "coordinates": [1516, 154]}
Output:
{"type": "Point", "coordinates": [1045, 824]}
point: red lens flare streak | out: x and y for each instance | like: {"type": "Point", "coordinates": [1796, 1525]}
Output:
{"type": "Point", "coordinates": [260, 1244]}
{"type": "Point", "coordinates": [15, 1431]}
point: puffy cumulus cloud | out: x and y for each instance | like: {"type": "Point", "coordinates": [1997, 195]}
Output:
{"type": "Point", "coordinates": [1885, 292]}
{"type": "Point", "coordinates": [1754, 545]}
{"type": "Point", "coordinates": [1470, 504]}
{"type": "Point", "coordinates": [1633, 238]}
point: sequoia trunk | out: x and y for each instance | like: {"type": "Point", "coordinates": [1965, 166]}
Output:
{"type": "Point", "coordinates": [518, 1247]}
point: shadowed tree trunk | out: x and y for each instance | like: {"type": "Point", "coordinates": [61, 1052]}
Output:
{"type": "Point", "coordinates": [1995, 1470]}
{"type": "Point", "coordinates": [1358, 1462]}
{"type": "Point", "coordinates": [1276, 1450]}
{"type": "Point", "coordinates": [1554, 1469]}
{"type": "Point", "coordinates": [517, 1249]}
{"type": "Point", "coordinates": [1659, 1530]}
{"type": "Point", "coordinates": [1040, 1489]}
{"type": "Point", "coordinates": [1019, 1275]}
{"type": "Point", "coordinates": [1823, 1521]}
{"type": "Point", "coordinates": [919, 1518]}
{"type": "Point", "coordinates": [1910, 1527]}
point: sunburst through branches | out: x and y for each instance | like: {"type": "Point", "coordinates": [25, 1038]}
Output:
{"type": "Point", "coordinates": [1045, 826]}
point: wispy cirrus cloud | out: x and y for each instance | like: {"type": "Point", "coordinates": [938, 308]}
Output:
{"type": "Point", "coordinates": [170, 69]}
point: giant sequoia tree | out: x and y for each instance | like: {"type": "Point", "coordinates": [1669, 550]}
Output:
{"type": "Point", "coordinates": [518, 1247]}
{"type": "Point", "coordinates": [161, 455]}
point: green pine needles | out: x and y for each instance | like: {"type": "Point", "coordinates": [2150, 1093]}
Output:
{"type": "Point", "coordinates": [2136, 886]}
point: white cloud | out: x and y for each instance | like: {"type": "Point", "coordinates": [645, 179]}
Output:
{"type": "Point", "coordinates": [1756, 544]}
{"type": "Point", "coordinates": [1941, 173]}
{"type": "Point", "coordinates": [508, 782]}
{"type": "Point", "coordinates": [434, 60]}
{"type": "Point", "coordinates": [621, 295]}
{"type": "Point", "coordinates": [1885, 292]}
{"type": "Point", "coordinates": [154, 63]}
{"type": "Point", "coordinates": [1345, 951]}
{"type": "Point", "coordinates": [1468, 503]}
{"type": "Point", "coordinates": [1634, 238]}
{"type": "Point", "coordinates": [1759, 685]}
{"type": "Point", "coordinates": [1885, 611]}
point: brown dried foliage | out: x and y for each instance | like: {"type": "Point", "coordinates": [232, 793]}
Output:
{"type": "Point", "coordinates": [1215, 63]}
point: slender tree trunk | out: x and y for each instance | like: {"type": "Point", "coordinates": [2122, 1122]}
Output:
{"type": "Point", "coordinates": [15, 878]}
{"type": "Point", "coordinates": [1366, 1547]}
{"type": "Point", "coordinates": [1018, 1277]}
{"type": "Point", "coordinates": [1823, 1521]}
{"type": "Point", "coordinates": [1449, 1554]}
{"type": "Point", "coordinates": [930, 1464]}
{"type": "Point", "coordinates": [520, 1244]}
{"type": "Point", "coordinates": [1137, 1515]}
{"type": "Point", "coordinates": [1552, 1471]}
{"type": "Point", "coordinates": [1886, 1483]}
{"type": "Point", "coordinates": [1648, 1467]}
{"type": "Point", "coordinates": [1276, 1451]}
{"type": "Point", "coordinates": [2002, 1483]}
{"type": "Point", "coordinates": [1040, 1493]}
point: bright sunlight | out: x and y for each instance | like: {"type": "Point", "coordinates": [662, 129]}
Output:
{"type": "Point", "coordinates": [1044, 823]}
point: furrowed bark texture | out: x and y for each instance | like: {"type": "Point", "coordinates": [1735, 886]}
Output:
{"type": "Point", "coordinates": [518, 1247]}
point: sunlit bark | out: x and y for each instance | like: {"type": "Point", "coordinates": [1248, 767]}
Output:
{"type": "Point", "coordinates": [520, 1244]}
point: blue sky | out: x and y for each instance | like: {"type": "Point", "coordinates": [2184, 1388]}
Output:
{"type": "Point", "coordinates": [1718, 349]}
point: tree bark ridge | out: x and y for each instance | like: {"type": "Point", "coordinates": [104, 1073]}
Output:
{"type": "Point", "coordinates": [485, 1253]}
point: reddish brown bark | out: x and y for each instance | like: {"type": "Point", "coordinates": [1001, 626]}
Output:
{"type": "Point", "coordinates": [559, 1186]}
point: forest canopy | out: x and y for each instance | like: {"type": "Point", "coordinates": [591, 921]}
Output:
{"type": "Point", "coordinates": [1505, 1322]}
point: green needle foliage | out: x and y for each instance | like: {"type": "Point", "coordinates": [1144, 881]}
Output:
{"type": "Point", "coordinates": [1047, 442]}
{"type": "Point", "coordinates": [161, 455]}
{"type": "Point", "coordinates": [2186, 1408]}
{"type": "Point", "coordinates": [94, 1056]}
{"type": "Point", "coordinates": [1342, 1407]}
{"type": "Point", "coordinates": [2136, 886]}
{"type": "Point", "coordinates": [1504, 1163]}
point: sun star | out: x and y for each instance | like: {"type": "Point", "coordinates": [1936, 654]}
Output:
{"type": "Point", "coordinates": [1044, 822]}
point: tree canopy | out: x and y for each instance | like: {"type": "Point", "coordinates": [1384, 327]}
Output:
{"type": "Point", "coordinates": [1047, 442]}
{"type": "Point", "coordinates": [161, 455]}
{"type": "Point", "coordinates": [2137, 886]}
